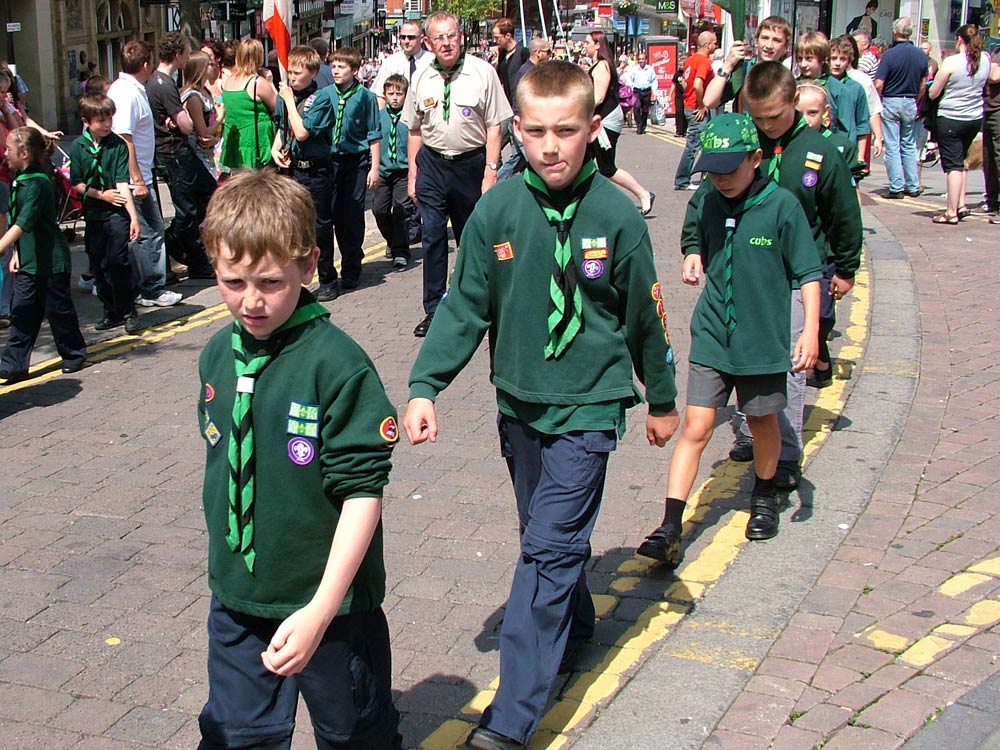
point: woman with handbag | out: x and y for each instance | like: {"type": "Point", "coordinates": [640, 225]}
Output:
{"type": "Point", "coordinates": [248, 99]}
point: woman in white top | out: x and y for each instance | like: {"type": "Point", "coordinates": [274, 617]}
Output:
{"type": "Point", "coordinates": [958, 89]}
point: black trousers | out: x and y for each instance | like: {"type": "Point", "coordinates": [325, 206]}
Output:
{"type": "Point", "coordinates": [37, 297]}
{"type": "Point", "coordinates": [445, 189]}
{"type": "Point", "coordinates": [110, 262]}
{"type": "Point", "coordinates": [349, 171]}
{"type": "Point", "coordinates": [318, 180]}
{"type": "Point", "coordinates": [191, 187]}
{"type": "Point", "coordinates": [641, 109]}
{"type": "Point", "coordinates": [391, 207]}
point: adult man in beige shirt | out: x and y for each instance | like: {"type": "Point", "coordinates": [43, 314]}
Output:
{"type": "Point", "coordinates": [453, 110]}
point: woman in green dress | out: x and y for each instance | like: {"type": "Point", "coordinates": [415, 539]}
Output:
{"type": "Point", "coordinates": [249, 100]}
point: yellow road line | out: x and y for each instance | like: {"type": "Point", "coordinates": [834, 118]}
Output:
{"type": "Point", "coordinates": [113, 347]}
{"type": "Point", "coordinates": [593, 688]}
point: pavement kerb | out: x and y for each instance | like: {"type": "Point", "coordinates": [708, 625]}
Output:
{"type": "Point", "coordinates": [680, 693]}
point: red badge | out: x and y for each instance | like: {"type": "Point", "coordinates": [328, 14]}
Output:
{"type": "Point", "coordinates": [389, 430]}
{"type": "Point", "coordinates": [209, 392]}
{"type": "Point", "coordinates": [504, 251]}
{"type": "Point", "coordinates": [660, 311]}
{"type": "Point", "coordinates": [656, 291]}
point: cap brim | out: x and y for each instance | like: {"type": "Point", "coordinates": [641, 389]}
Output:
{"type": "Point", "coordinates": [720, 163]}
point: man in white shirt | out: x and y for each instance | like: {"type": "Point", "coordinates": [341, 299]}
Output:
{"type": "Point", "coordinates": [410, 60]}
{"type": "Point", "coordinates": [642, 79]}
{"type": "Point", "coordinates": [133, 121]}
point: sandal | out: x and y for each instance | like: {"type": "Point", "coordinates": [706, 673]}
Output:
{"type": "Point", "coordinates": [963, 212]}
{"type": "Point", "coordinates": [945, 219]}
{"type": "Point", "coordinates": [646, 211]}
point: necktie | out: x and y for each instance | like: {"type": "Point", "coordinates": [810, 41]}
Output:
{"type": "Point", "coordinates": [447, 75]}
{"type": "Point", "coordinates": [566, 317]}
{"type": "Point", "coordinates": [393, 125]}
{"type": "Point", "coordinates": [341, 106]}
{"type": "Point", "coordinates": [242, 463]}
{"type": "Point", "coordinates": [727, 250]}
{"type": "Point", "coordinates": [774, 168]}
{"type": "Point", "coordinates": [413, 67]}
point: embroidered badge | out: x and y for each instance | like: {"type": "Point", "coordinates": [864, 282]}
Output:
{"type": "Point", "coordinates": [594, 243]}
{"type": "Point", "coordinates": [656, 291]}
{"type": "Point", "coordinates": [813, 156]}
{"type": "Point", "coordinates": [300, 451]}
{"type": "Point", "coordinates": [389, 430]}
{"type": "Point", "coordinates": [660, 311]}
{"type": "Point", "coordinates": [466, 112]}
{"type": "Point", "coordinates": [429, 102]}
{"type": "Point", "coordinates": [809, 179]}
{"type": "Point", "coordinates": [597, 254]}
{"type": "Point", "coordinates": [308, 412]}
{"type": "Point", "coordinates": [809, 164]}
{"type": "Point", "coordinates": [209, 392]}
{"type": "Point", "coordinates": [504, 251]}
{"type": "Point", "coordinates": [593, 269]}
{"type": "Point", "coordinates": [212, 434]}
{"type": "Point", "coordinates": [669, 356]}
{"type": "Point", "coordinates": [306, 429]}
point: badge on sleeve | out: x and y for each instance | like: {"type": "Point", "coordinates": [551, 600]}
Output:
{"type": "Point", "coordinates": [211, 432]}
{"type": "Point", "coordinates": [504, 251]}
{"type": "Point", "coordinates": [300, 451]}
{"type": "Point", "coordinates": [593, 269]}
{"type": "Point", "coordinates": [209, 392]}
{"type": "Point", "coordinates": [389, 430]}
{"type": "Point", "coordinates": [813, 160]}
{"type": "Point", "coordinates": [810, 179]}
{"type": "Point", "coordinates": [656, 292]}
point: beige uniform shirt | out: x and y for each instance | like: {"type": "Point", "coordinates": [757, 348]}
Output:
{"type": "Point", "coordinates": [477, 102]}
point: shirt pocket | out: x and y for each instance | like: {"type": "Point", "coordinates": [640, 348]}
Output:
{"type": "Point", "coordinates": [466, 105]}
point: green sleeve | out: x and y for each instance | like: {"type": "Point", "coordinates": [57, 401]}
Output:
{"type": "Point", "coordinates": [689, 230]}
{"type": "Point", "coordinates": [118, 166]}
{"type": "Point", "coordinates": [29, 208]}
{"type": "Point", "coordinates": [372, 117]}
{"type": "Point", "coordinates": [645, 318]}
{"type": "Point", "coordinates": [359, 432]}
{"type": "Point", "coordinates": [797, 244]}
{"type": "Point", "coordinates": [461, 320]}
{"type": "Point", "coordinates": [320, 114]}
{"type": "Point", "coordinates": [862, 115]}
{"type": "Point", "coordinates": [78, 161]}
{"type": "Point", "coordinates": [837, 200]}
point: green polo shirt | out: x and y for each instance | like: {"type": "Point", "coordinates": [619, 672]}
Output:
{"type": "Point", "coordinates": [316, 110]}
{"type": "Point", "coordinates": [359, 122]}
{"type": "Point", "coordinates": [42, 249]}
{"type": "Point", "coordinates": [393, 162]}
{"type": "Point", "coordinates": [113, 161]}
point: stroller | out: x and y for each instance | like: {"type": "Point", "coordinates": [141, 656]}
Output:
{"type": "Point", "coordinates": [69, 203]}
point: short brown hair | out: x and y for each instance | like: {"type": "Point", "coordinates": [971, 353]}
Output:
{"type": "Point", "coordinates": [846, 45]}
{"type": "Point", "coordinates": [348, 55]}
{"type": "Point", "coordinates": [135, 54]}
{"type": "Point", "coordinates": [305, 56]}
{"type": "Point", "coordinates": [172, 44]}
{"type": "Point", "coordinates": [396, 81]}
{"type": "Point", "coordinates": [260, 213]}
{"type": "Point", "coordinates": [504, 26]}
{"type": "Point", "coordinates": [767, 79]}
{"type": "Point", "coordinates": [556, 78]}
{"type": "Point", "coordinates": [776, 23]}
{"type": "Point", "coordinates": [92, 106]}
{"type": "Point", "coordinates": [814, 44]}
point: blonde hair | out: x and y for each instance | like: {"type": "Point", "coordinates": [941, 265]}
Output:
{"type": "Point", "coordinates": [195, 71]}
{"type": "Point", "coordinates": [260, 213]}
{"type": "Point", "coordinates": [249, 58]}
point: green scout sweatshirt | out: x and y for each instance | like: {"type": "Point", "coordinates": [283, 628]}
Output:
{"type": "Point", "coordinates": [324, 432]}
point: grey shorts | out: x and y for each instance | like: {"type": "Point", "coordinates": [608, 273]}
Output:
{"type": "Point", "coordinates": [756, 395]}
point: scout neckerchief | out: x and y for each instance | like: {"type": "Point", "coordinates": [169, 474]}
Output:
{"type": "Point", "coordinates": [94, 178]}
{"type": "Point", "coordinates": [301, 100]}
{"type": "Point", "coordinates": [242, 462]}
{"type": "Point", "coordinates": [447, 75]}
{"type": "Point", "coordinates": [732, 211]}
{"type": "Point", "coordinates": [774, 168]}
{"type": "Point", "coordinates": [566, 316]}
{"type": "Point", "coordinates": [341, 106]}
{"type": "Point", "coordinates": [393, 125]}
{"type": "Point", "coordinates": [12, 208]}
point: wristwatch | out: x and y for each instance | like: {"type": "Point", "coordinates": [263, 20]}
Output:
{"type": "Point", "coordinates": [494, 165]}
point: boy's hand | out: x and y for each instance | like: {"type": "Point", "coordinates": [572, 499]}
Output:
{"type": "Point", "coordinates": [692, 269]}
{"type": "Point", "coordinates": [806, 351]}
{"type": "Point", "coordinates": [281, 157]}
{"type": "Point", "coordinates": [372, 180]}
{"type": "Point", "coordinates": [287, 94]}
{"type": "Point", "coordinates": [14, 263]}
{"type": "Point", "coordinates": [839, 287]}
{"type": "Point", "coordinates": [140, 190]}
{"type": "Point", "coordinates": [737, 54]}
{"type": "Point", "coordinates": [112, 196]}
{"type": "Point", "coordinates": [420, 421]}
{"type": "Point", "coordinates": [133, 231]}
{"type": "Point", "coordinates": [295, 641]}
{"type": "Point", "coordinates": [660, 429]}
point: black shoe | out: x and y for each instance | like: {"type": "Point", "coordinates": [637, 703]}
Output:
{"type": "Point", "coordinates": [913, 193]}
{"type": "Point", "coordinates": [172, 279]}
{"type": "Point", "coordinates": [664, 545]}
{"type": "Point", "coordinates": [349, 284]}
{"type": "Point", "coordinates": [106, 323]}
{"type": "Point", "coordinates": [763, 523]}
{"type": "Point", "coordinates": [787, 476]}
{"type": "Point", "coordinates": [69, 369]}
{"type": "Point", "coordinates": [652, 197]}
{"type": "Point", "coordinates": [894, 195]}
{"type": "Point", "coordinates": [421, 330]}
{"type": "Point", "coordinates": [132, 324]}
{"type": "Point", "coordinates": [820, 378]}
{"type": "Point", "coordinates": [399, 263]}
{"type": "Point", "coordinates": [742, 450]}
{"type": "Point", "coordinates": [10, 378]}
{"type": "Point", "coordinates": [327, 292]}
{"type": "Point", "coordinates": [482, 738]}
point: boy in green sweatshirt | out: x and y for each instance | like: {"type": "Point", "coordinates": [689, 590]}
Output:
{"type": "Point", "coordinates": [298, 435]}
{"type": "Point", "coordinates": [558, 269]}
{"type": "Point", "coordinates": [753, 244]}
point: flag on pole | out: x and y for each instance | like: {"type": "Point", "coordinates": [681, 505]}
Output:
{"type": "Point", "coordinates": [278, 22]}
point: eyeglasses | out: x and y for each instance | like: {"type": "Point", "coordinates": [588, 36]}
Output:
{"type": "Point", "coordinates": [409, 36]}
{"type": "Point", "coordinates": [450, 36]}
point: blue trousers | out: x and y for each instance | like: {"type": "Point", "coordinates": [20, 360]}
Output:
{"type": "Point", "coordinates": [445, 189]}
{"type": "Point", "coordinates": [106, 241]}
{"type": "Point", "coordinates": [37, 297]}
{"type": "Point", "coordinates": [346, 686]}
{"type": "Point", "coordinates": [558, 482]}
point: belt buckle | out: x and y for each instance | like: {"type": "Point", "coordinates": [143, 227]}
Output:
{"type": "Point", "coordinates": [304, 164]}
{"type": "Point", "coordinates": [450, 157]}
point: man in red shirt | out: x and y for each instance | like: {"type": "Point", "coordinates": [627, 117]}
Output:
{"type": "Point", "coordinates": [697, 74]}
